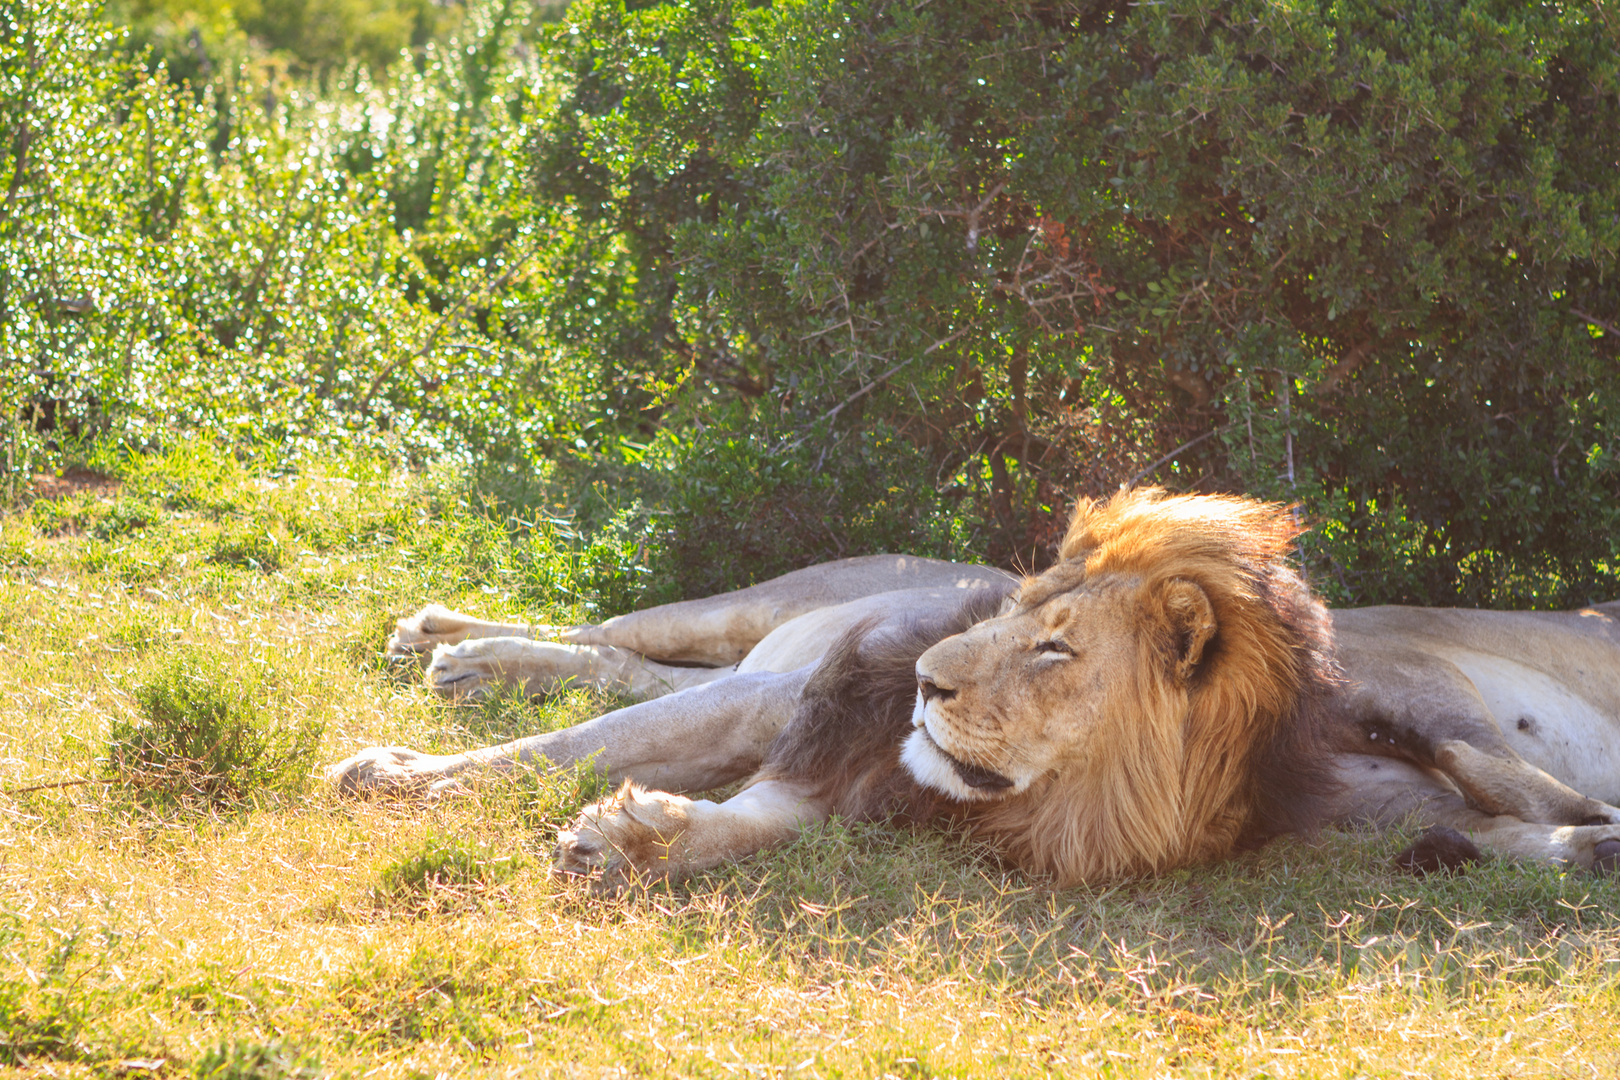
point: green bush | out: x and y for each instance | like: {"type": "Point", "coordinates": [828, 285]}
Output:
{"type": "Point", "coordinates": [277, 265]}
{"type": "Point", "coordinates": [1362, 259]}
{"type": "Point", "coordinates": [741, 506]}
{"type": "Point", "coordinates": [907, 275]}
{"type": "Point", "coordinates": [210, 733]}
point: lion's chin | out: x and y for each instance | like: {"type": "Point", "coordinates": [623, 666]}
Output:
{"type": "Point", "coordinates": [932, 767]}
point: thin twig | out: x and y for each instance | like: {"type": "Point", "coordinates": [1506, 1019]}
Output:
{"type": "Point", "coordinates": [1602, 324]}
{"type": "Point", "coordinates": [1188, 445]}
{"type": "Point", "coordinates": [47, 787]}
{"type": "Point", "coordinates": [879, 381]}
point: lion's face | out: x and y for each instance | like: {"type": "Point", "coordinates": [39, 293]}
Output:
{"type": "Point", "coordinates": [1043, 690]}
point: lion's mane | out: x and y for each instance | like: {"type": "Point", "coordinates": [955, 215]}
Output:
{"type": "Point", "coordinates": [1198, 767]}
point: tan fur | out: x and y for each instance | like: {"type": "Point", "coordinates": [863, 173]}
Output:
{"type": "Point", "coordinates": [1142, 741]}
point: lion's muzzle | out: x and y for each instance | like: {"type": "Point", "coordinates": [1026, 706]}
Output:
{"type": "Point", "coordinates": [934, 766]}
{"type": "Point", "coordinates": [974, 776]}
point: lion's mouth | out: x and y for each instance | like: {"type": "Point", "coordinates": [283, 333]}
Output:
{"type": "Point", "coordinates": [974, 776]}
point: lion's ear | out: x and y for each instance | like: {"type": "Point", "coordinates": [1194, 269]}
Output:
{"type": "Point", "coordinates": [1187, 621]}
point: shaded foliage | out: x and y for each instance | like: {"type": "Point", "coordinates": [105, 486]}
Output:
{"type": "Point", "coordinates": [1368, 261]}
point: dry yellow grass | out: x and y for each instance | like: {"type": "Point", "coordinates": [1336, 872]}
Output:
{"type": "Point", "coordinates": [310, 935]}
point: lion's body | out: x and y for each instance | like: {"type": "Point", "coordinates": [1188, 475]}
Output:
{"type": "Point", "coordinates": [1160, 697]}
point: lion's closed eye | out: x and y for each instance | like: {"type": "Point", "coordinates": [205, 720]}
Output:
{"type": "Point", "coordinates": [1054, 648]}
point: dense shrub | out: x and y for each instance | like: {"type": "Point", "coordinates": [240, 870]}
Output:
{"type": "Point", "coordinates": [272, 265]}
{"type": "Point", "coordinates": [1357, 257]}
{"type": "Point", "coordinates": [766, 283]}
{"type": "Point", "coordinates": [209, 736]}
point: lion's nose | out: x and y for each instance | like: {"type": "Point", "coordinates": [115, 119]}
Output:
{"type": "Point", "coordinates": [931, 690]}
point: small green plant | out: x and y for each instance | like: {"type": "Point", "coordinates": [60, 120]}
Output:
{"type": "Point", "coordinates": [244, 1059]}
{"type": "Point", "coordinates": [441, 863]}
{"type": "Point", "coordinates": [46, 1022]}
{"type": "Point", "coordinates": [208, 733]}
{"type": "Point", "coordinates": [257, 548]}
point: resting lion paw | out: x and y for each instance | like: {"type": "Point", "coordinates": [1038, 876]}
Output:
{"type": "Point", "coordinates": [1594, 847]}
{"type": "Point", "coordinates": [461, 673]}
{"type": "Point", "coordinates": [420, 633]}
{"type": "Point", "coordinates": [624, 839]}
{"type": "Point", "coordinates": [388, 770]}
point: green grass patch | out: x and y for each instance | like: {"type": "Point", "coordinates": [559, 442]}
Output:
{"type": "Point", "coordinates": [445, 864]}
{"type": "Point", "coordinates": [246, 1059]}
{"type": "Point", "coordinates": [210, 733]}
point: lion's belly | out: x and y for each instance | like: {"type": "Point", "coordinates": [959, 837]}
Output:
{"type": "Point", "coordinates": [1547, 722]}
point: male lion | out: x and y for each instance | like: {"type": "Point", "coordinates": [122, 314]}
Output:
{"type": "Point", "coordinates": [1164, 695]}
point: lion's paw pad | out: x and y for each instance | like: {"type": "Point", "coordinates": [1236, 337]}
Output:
{"type": "Point", "coordinates": [395, 769]}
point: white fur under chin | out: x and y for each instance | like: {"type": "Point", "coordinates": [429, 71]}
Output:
{"type": "Point", "coordinates": [928, 766]}
{"type": "Point", "coordinates": [930, 769]}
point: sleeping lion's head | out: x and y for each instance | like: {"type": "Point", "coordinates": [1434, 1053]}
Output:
{"type": "Point", "coordinates": [1140, 705]}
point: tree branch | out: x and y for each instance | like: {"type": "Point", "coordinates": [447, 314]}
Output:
{"type": "Point", "coordinates": [1188, 445]}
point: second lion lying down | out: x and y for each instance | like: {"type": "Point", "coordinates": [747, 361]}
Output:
{"type": "Point", "coordinates": [1164, 695]}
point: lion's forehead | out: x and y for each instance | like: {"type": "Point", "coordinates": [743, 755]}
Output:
{"type": "Point", "coordinates": [1092, 605]}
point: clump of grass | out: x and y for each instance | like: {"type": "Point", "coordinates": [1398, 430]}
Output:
{"type": "Point", "coordinates": [442, 864]}
{"type": "Point", "coordinates": [92, 515]}
{"type": "Point", "coordinates": [209, 733]}
{"type": "Point", "coordinates": [259, 549]}
{"type": "Point", "coordinates": [48, 1002]}
{"type": "Point", "coordinates": [244, 1059]}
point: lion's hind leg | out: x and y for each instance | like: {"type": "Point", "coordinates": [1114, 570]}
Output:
{"type": "Point", "coordinates": [1388, 791]}
{"type": "Point", "coordinates": [1507, 785]}
{"type": "Point", "coordinates": [418, 635]}
{"type": "Point", "coordinates": [641, 834]}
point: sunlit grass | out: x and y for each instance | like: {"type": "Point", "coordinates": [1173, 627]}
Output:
{"type": "Point", "coordinates": [289, 931]}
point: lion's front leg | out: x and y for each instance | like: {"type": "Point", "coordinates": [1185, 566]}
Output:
{"type": "Point", "coordinates": [394, 769]}
{"type": "Point", "coordinates": [701, 738]}
{"type": "Point", "coordinates": [641, 834]}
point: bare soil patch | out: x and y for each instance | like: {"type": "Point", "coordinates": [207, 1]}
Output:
{"type": "Point", "coordinates": [72, 482]}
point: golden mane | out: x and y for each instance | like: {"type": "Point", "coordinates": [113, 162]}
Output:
{"type": "Point", "coordinates": [1202, 757]}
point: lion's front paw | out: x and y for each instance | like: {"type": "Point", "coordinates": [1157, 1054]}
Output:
{"type": "Point", "coordinates": [434, 625]}
{"type": "Point", "coordinates": [388, 769]}
{"type": "Point", "coordinates": [635, 834]}
{"type": "Point", "coordinates": [470, 671]}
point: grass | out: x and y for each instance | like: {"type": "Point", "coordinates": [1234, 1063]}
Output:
{"type": "Point", "coordinates": [283, 932]}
